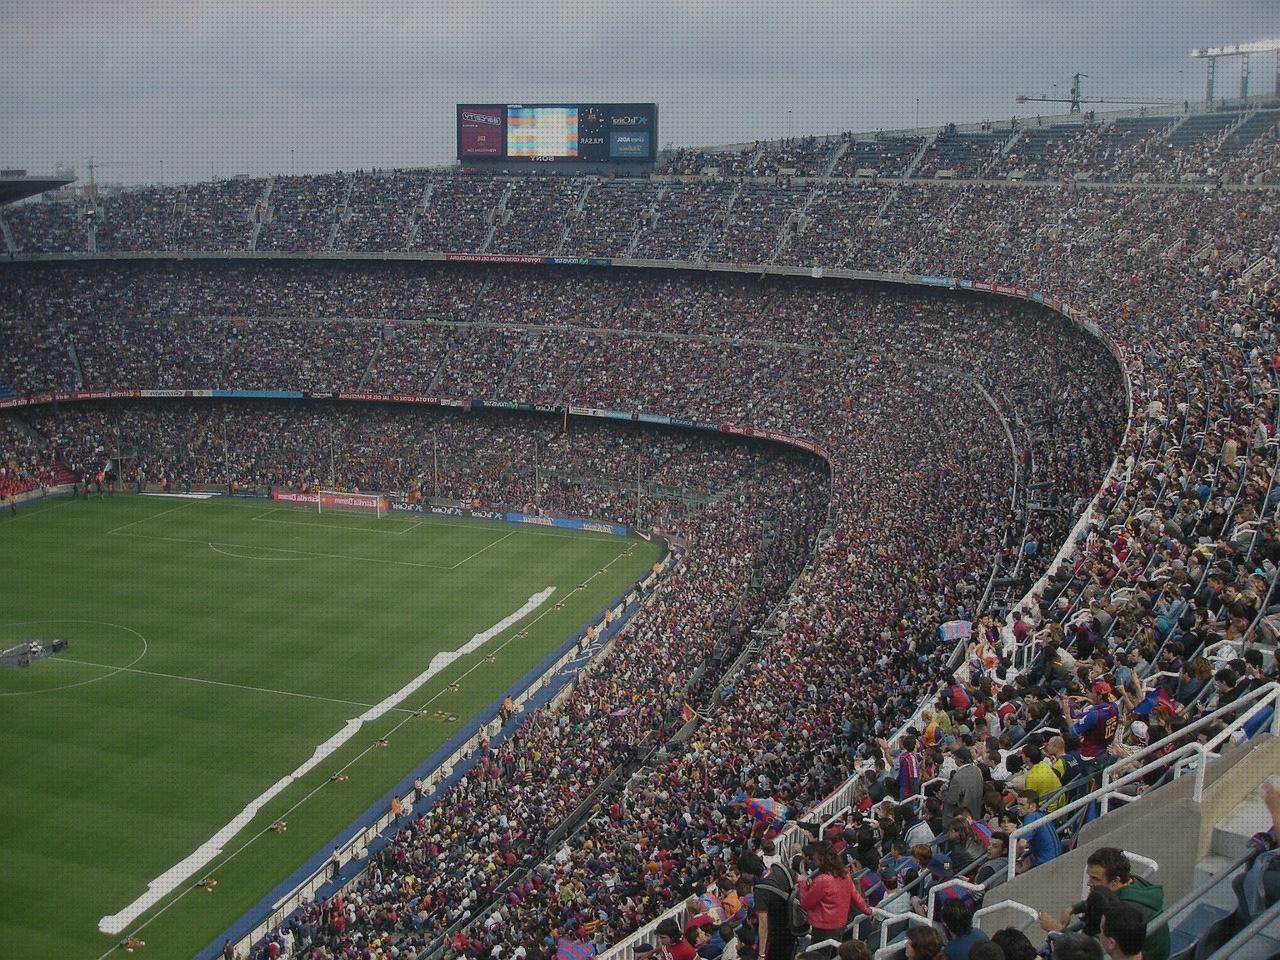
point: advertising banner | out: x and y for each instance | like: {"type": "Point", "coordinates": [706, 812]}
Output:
{"type": "Point", "coordinates": [391, 398]}
{"type": "Point", "coordinates": [491, 258]}
{"type": "Point", "coordinates": [288, 496]}
{"type": "Point", "coordinates": [568, 523]}
{"type": "Point", "coordinates": [481, 131]}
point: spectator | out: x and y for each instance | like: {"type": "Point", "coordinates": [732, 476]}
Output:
{"type": "Point", "coordinates": [957, 921]}
{"type": "Point", "coordinates": [1041, 844]}
{"type": "Point", "coordinates": [1124, 931]}
{"type": "Point", "coordinates": [1076, 946]}
{"type": "Point", "coordinates": [964, 790]}
{"type": "Point", "coordinates": [1014, 943]}
{"type": "Point", "coordinates": [924, 943]}
{"type": "Point", "coordinates": [1042, 778]}
{"type": "Point", "coordinates": [1109, 870]}
{"type": "Point", "coordinates": [1259, 887]}
{"type": "Point", "coordinates": [829, 896]}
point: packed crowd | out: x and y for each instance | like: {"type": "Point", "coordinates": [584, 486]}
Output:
{"type": "Point", "coordinates": [135, 220]}
{"type": "Point", "coordinates": [919, 507]}
{"type": "Point", "coordinates": [219, 215]}
{"type": "Point", "coordinates": [25, 464]}
{"type": "Point", "coordinates": [379, 211]}
{"type": "Point", "coordinates": [438, 210]}
{"type": "Point", "coordinates": [301, 213]}
{"type": "Point", "coordinates": [490, 460]}
{"type": "Point", "coordinates": [536, 214]}
{"type": "Point", "coordinates": [966, 492]}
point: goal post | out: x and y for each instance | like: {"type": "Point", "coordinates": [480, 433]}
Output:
{"type": "Point", "coordinates": [335, 500]}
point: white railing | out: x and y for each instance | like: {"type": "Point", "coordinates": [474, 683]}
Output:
{"type": "Point", "coordinates": [957, 883]}
{"type": "Point", "coordinates": [1022, 908]}
{"type": "Point", "coordinates": [889, 950]}
{"type": "Point", "coordinates": [1151, 867]}
{"type": "Point", "coordinates": [1255, 700]}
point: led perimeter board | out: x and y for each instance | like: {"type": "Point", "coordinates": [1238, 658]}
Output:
{"type": "Point", "coordinates": [558, 132]}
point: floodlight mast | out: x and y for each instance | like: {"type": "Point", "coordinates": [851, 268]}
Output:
{"type": "Point", "coordinates": [1214, 54]}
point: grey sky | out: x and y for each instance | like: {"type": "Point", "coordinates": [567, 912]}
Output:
{"type": "Point", "coordinates": [182, 88]}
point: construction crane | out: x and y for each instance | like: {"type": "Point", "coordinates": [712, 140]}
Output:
{"type": "Point", "coordinates": [1077, 97]}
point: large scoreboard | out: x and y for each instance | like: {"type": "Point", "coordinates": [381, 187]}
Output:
{"type": "Point", "coordinates": [558, 132]}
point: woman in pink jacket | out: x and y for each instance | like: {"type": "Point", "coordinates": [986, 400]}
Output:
{"type": "Point", "coordinates": [829, 895]}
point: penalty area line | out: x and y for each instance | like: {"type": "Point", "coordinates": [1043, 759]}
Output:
{"type": "Point", "coordinates": [218, 683]}
{"type": "Point", "coordinates": [482, 550]}
{"type": "Point", "coordinates": [154, 516]}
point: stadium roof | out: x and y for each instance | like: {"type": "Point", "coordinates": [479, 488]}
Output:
{"type": "Point", "coordinates": [20, 186]}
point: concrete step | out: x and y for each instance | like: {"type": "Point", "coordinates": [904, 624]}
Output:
{"type": "Point", "coordinates": [1262, 947]}
{"type": "Point", "coordinates": [1231, 834]}
{"type": "Point", "coordinates": [1220, 896]}
{"type": "Point", "coordinates": [1205, 927]}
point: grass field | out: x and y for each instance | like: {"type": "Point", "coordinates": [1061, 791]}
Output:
{"type": "Point", "coordinates": [213, 646]}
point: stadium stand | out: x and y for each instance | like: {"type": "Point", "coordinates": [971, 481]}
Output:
{"type": "Point", "coordinates": [965, 436]}
{"type": "Point", "coordinates": [301, 213]}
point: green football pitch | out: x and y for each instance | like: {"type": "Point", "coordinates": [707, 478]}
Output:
{"type": "Point", "coordinates": [213, 646]}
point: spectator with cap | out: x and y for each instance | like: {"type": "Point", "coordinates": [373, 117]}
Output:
{"type": "Point", "coordinates": [1099, 723]}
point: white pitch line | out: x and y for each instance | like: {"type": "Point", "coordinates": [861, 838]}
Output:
{"type": "Point", "coordinates": [179, 873]}
{"type": "Point", "coordinates": [401, 533]}
{"type": "Point", "coordinates": [240, 556]}
{"type": "Point", "coordinates": [216, 683]}
{"type": "Point", "coordinates": [330, 526]}
{"type": "Point", "coordinates": [300, 553]}
{"type": "Point", "coordinates": [482, 550]}
{"type": "Point", "coordinates": [154, 516]}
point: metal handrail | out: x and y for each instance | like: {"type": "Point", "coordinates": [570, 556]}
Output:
{"type": "Point", "coordinates": [957, 882]}
{"type": "Point", "coordinates": [1196, 894]}
{"type": "Point", "coordinates": [815, 947]}
{"type": "Point", "coordinates": [1031, 912]}
{"type": "Point", "coordinates": [1270, 692]}
{"type": "Point", "coordinates": [912, 919]}
{"type": "Point", "coordinates": [1100, 794]}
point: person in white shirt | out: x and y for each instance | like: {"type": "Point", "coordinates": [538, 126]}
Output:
{"type": "Point", "coordinates": [769, 852]}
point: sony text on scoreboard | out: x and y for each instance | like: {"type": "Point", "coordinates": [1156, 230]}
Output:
{"type": "Point", "coordinates": [558, 132]}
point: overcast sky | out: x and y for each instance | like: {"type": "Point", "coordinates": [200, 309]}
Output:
{"type": "Point", "coordinates": [178, 90]}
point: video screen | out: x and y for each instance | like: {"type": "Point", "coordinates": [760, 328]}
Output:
{"type": "Point", "coordinates": [552, 132]}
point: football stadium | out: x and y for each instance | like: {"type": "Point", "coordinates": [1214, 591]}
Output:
{"type": "Point", "coordinates": [857, 544]}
